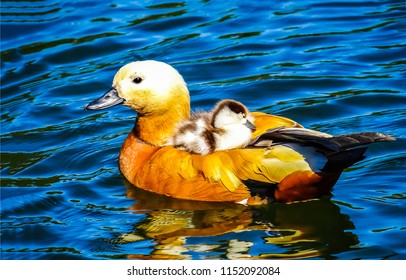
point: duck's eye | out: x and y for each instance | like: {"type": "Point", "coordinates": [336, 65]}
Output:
{"type": "Point", "coordinates": [137, 80]}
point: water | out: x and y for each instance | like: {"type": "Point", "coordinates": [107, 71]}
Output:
{"type": "Point", "coordinates": [338, 67]}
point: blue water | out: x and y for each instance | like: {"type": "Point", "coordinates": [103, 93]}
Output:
{"type": "Point", "coordinates": [337, 67]}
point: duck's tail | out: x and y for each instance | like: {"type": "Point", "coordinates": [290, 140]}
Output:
{"type": "Point", "coordinates": [326, 155]}
{"type": "Point", "coordinates": [338, 152]}
{"type": "Point", "coordinates": [351, 148]}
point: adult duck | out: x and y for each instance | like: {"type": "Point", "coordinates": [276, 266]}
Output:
{"type": "Point", "coordinates": [284, 161]}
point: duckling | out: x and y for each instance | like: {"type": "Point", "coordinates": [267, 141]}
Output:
{"type": "Point", "coordinates": [228, 126]}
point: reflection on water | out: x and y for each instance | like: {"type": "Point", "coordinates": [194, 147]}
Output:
{"type": "Point", "coordinates": [337, 67]}
{"type": "Point", "coordinates": [178, 229]}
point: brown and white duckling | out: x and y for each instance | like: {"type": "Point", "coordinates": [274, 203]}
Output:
{"type": "Point", "coordinates": [228, 126]}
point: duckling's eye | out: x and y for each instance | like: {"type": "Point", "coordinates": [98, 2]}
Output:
{"type": "Point", "coordinates": [137, 80]}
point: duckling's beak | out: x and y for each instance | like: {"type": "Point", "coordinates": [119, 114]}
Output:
{"type": "Point", "coordinates": [109, 99]}
{"type": "Point", "coordinates": [250, 125]}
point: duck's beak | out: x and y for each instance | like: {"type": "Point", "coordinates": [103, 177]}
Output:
{"type": "Point", "coordinates": [250, 125]}
{"type": "Point", "coordinates": [109, 99]}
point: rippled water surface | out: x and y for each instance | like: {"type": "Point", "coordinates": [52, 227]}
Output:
{"type": "Point", "coordinates": [335, 66]}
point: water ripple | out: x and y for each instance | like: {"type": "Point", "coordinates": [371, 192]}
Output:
{"type": "Point", "coordinates": [337, 67]}
{"type": "Point", "coordinates": [40, 46]}
{"type": "Point", "coordinates": [14, 12]}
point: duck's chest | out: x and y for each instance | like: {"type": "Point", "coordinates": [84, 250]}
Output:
{"type": "Point", "coordinates": [133, 155]}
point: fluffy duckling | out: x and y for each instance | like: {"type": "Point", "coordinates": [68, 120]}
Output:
{"type": "Point", "coordinates": [228, 126]}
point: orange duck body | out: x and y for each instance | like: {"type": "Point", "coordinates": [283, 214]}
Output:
{"type": "Point", "coordinates": [284, 162]}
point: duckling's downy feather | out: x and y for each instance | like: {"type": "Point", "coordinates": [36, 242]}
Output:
{"type": "Point", "coordinates": [227, 126]}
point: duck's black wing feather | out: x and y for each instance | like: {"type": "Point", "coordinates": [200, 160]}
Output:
{"type": "Point", "coordinates": [339, 151]}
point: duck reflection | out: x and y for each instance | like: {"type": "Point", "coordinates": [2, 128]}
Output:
{"type": "Point", "coordinates": [181, 229]}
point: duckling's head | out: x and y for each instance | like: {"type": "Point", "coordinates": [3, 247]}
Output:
{"type": "Point", "coordinates": [149, 87]}
{"type": "Point", "coordinates": [229, 113]}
